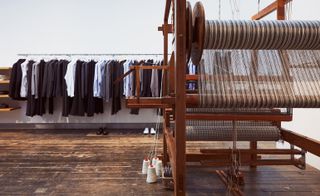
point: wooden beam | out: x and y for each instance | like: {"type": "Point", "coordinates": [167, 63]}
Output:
{"type": "Point", "coordinates": [281, 10]}
{"type": "Point", "coordinates": [192, 77]}
{"type": "Point", "coordinates": [148, 67]}
{"type": "Point", "coordinates": [4, 96]}
{"type": "Point", "coordinates": [166, 28]}
{"type": "Point", "coordinates": [171, 149]}
{"type": "Point", "coordinates": [254, 157]}
{"type": "Point", "coordinates": [301, 141]}
{"type": "Point", "coordinates": [4, 81]}
{"type": "Point", "coordinates": [276, 5]}
{"type": "Point", "coordinates": [180, 99]}
{"type": "Point", "coordinates": [165, 61]}
{"type": "Point", "coordinates": [165, 125]}
{"type": "Point", "coordinates": [119, 79]}
{"type": "Point", "coordinates": [224, 178]}
{"type": "Point", "coordinates": [253, 151]}
{"type": "Point", "coordinates": [167, 10]}
{"type": "Point", "coordinates": [198, 157]}
{"type": "Point", "coordinates": [171, 74]}
{"type": "Point", "coordinates": [245, 161]}
{"type": "Point", "coordinates": [149, 102]}
{"type": "Point", "coordinates": [9, 109]}
{"type": "Point", "coordinates": [170, 145]}
{"type": "Point", "coordinates": [239, 116]}
{"type": "Point", "coordinates": [192, 100]}
{"type": "Point", "coordinates": [223, 155]}
{"type": "Point", "coordinates": [5, 68]}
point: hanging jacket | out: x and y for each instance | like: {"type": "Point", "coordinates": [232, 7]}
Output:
{"type": "Point", "coordinates": [15, 80]}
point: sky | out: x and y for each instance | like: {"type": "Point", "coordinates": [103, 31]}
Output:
{"type": "Point", "coordinates": [103, 26]}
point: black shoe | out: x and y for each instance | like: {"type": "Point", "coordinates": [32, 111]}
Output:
{"type": "Point", "coordinates": [99, 131]}
{"type": "Point", "coordinates": [105, 132]}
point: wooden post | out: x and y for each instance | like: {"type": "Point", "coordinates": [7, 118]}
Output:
{"type": "Point", "coordinates": [180, 98]}
{"type": "Point", "coordinates": [281, 10]}
{"type": "Point", "coordinates": [253, 146]}
{"type": "Point", "coordinates": [165, 59]}
{"type": "Point", "coordinates": [166, 124]}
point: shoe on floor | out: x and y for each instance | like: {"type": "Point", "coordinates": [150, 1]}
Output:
{"type": "Point", "coordinates": [146, 131]}
{"type": "Point", "coordinates": [153, 131]}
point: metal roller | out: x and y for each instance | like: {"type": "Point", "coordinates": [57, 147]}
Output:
{"type": "Point", "coordinates": [201, 130]}
{"type": "Point", "coordinates": [224, 132]}
{"type": "Point", "coordinates": [254, 35]}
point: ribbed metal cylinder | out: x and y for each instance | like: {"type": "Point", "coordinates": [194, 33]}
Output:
{"type": "Point", "coordinates": [263, 35]}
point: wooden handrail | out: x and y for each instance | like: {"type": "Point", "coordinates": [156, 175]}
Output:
{"type": "Point", "coordinates": [301, 141]}
{"type": "Point", "coordinates": [276, 5]}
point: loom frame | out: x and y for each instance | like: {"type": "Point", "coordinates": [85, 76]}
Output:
{"type": "Point", "coordinates": [175, 100]}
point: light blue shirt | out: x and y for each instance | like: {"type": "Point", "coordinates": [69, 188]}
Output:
{"type": "Point", "coordinates": [127, 81]}
{"type": "Point", "coordinates": [99, 79]}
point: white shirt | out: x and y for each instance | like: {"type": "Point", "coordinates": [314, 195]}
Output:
{"type": "Point", "coordinates": [24, 80]}
{"type": "Point", "coordinates": [70, 77]}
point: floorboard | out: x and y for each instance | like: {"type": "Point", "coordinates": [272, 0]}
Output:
{"type": "Point", "coordinates": [58, 162]}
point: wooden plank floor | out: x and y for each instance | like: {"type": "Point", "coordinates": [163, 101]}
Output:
{"type": "Point", "coordinates": [81, 163]}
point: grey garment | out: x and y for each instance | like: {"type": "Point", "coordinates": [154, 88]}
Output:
{"type": "Point", "coordinates": [141, 79]}
{"type": "Point", "coordinates": [49, 85]}
{"type": "Point", "coordinates": [154, 85]}
{"type": "Point", "coordinates": [108, 82]}
{"type": "Point", "coordinates": [35, 80]}
{"type": "Point", "coordinates": [84, 78]}
{"type": "Point", "coordinates": [103, 79]}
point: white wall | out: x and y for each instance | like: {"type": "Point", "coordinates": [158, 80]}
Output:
{"type": "Point", "coordinates": [78, 26]}
{"type": "Point", "coordinates": [106, 26]}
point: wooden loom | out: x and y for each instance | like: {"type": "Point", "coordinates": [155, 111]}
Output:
{"type": "Point", "coordinates": [175, 100]}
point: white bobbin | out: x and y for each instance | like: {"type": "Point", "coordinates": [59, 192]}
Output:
{"type": "Point", "coordinates": [151, 176]}
{"type": "Point", "coordinates": [154, 161]}
{"type": "Point", "coordinates": [145, 165]}
{"type": "Point", "coordinates": [159, 168]}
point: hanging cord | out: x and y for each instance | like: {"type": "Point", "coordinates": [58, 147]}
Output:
{"type": "Point", "coordinates": [259, 2]}
{"type": "Point", "coordinates": [158, 123]}
{"type": "Point", "coordinates": [153, 150]}
{"type": "Point", "coordinates": [288, 10]}
{"type": "Point", "coordinates": [232, 179]}
{"type": "Point", "coordinates": [234, 9]}
{"type": "Point", "coordinates": [219, 9]}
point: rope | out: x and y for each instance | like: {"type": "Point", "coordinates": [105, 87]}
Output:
{"type": "Point", "coordinates": [153, 151]}
{"type": "Point", "coordinates": [219, 9]}
{"type": "Point", "coordinates": [288, 8]}
{"type": "Point", "coordinates": [234, 9]}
